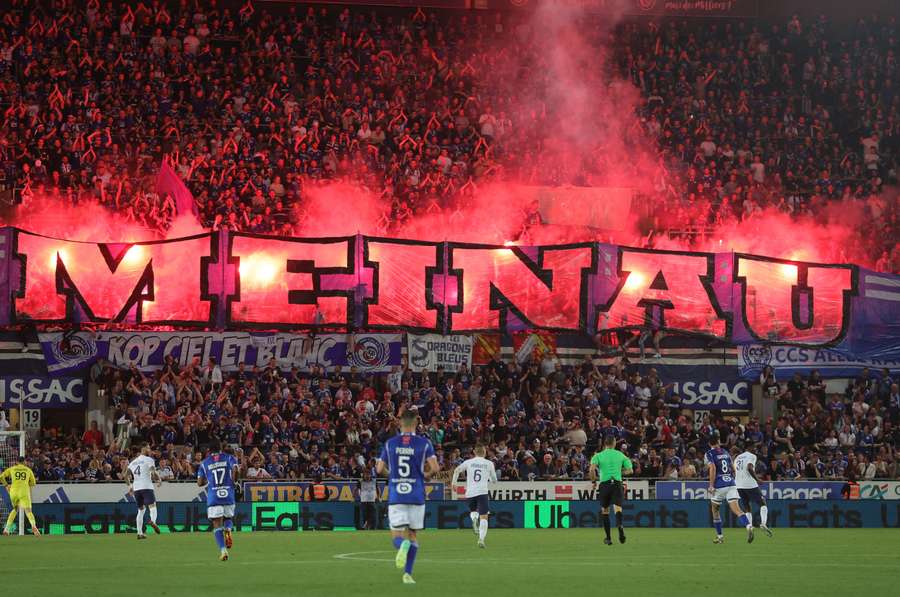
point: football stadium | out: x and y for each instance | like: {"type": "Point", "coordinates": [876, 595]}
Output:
{"type": "Point", "coordinates": [464, 297]}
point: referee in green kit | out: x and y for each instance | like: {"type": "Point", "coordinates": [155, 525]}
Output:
{"type": "Point", "coordinates": [612, 465]}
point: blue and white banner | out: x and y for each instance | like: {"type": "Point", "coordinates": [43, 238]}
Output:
{"type": "Point", "coordinates": [787, 360]}
{"type": "Point", "coordinates": [372, 353]}
{"type": "Point", "coordinates": [703, 387]}
{"type": "Point", "coordinates": [772, 490]}
{"type": "Point", "coordinates": [42, 392]}
{"type": "Point", "coordinates": [430, 351]}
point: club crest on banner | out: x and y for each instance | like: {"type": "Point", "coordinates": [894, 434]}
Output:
{"type": "Point", "coordinates": [74, 349]}
{"type": "Point", "coordinates": [754, 358]}
{"type": "Point", "coordinates": [368, 352]}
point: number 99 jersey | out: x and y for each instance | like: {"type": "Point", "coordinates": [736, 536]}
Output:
{"type": "Point", "coordinates": [405, 456]}
{"type": "Point", "coordinates": [217, 469]}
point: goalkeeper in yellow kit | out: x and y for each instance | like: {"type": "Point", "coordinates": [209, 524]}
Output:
{"type": "Point", "coordinates": [19, 479]}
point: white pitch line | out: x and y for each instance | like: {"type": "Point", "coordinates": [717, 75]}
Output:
{"type": "Point", "coordinates": [635, 559]}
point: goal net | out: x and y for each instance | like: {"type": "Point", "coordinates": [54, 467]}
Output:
{"type": "Point", "coordinates": [12, 445]}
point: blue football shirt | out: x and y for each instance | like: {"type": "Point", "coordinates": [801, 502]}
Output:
{"type": "Point", "coordinates": [405, 456]}
{"type": "Point", "coordinates": [217, 469]}
{"type": "Point", "coordinates": [721, 459]}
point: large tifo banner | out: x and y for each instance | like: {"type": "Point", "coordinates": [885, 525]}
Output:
{"type": "Point", "coordinates": [249, 282]}
{"type": "Point", "coordinates": [772, 490]}
{"type": "Point", "coordinates": [430, 351]}
{"type": "Point", "coordinates": [373, 353]}
{"type": "Point", "coordinates": [188, 517]}
{"type": "Point", "coordinates": [554, 490]}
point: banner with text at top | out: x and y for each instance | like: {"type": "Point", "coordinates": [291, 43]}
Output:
{"type": "Point", "coordinates": [372, 353]}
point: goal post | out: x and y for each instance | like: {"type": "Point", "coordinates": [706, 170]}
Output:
{"type": "Point", "coordinates": [12, 445]}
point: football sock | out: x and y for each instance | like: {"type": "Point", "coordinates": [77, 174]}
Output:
{"type": "Point", "coordinates": [745, 520]}
{"type": "Point", "coordinates": [140, 521]}
{"type": "Point", "coordinates": [219, 534]}
{"type": "Point", "coordinates": [11, 519]}
{"type": "Point", "coordinates": [619, 519]}
{"type": "Point", "coordinates": [30, 517]}
{"type": "Point", "coordinates": [229, 524]}
{"type": "Point", "coordinates": [474, 517]}
{"type": "Point", "coordinates": [764, 515]}
{"type": "Point", "coordinates": [482, 529]}
{"type": "Point", "coordinates": [605, 518]}
{"type": "Point", "coordinates": [153, 514]}
{"type": "Point", "coordinates": [398, 541]}
{"type": "Point", "coordinates": [411, 557]}
{"type": "Point", "coordinates": [718, 524]}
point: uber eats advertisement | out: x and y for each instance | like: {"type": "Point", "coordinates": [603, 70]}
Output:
{"type": "Point", "coordinates": [181, 517]}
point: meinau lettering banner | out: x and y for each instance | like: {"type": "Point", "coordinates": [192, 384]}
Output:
{"type": "Point", "coordinates": [241, 281]}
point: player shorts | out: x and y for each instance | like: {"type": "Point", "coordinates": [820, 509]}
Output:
{"type": "Point", "coordinates": [402, 516]}
{"type": "Point", "coordinates": [20, 500]}
{"type": "Point", "coordinates": [610, 492]}
{"type": "Point", "coordinates": [222, 511]}
{"type": "Point", "coordinates": [752, 496]}
{"type": "Point", "coordinates": [480, 504]}
{"type": "Point", "coordinates": [722, 494]}
{"type": "Point", "coordinates": [144, 497]}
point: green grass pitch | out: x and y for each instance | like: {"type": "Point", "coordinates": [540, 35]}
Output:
{"type": "Point", "coordinates": [520, 563]}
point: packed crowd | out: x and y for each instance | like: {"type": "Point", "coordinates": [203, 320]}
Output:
{"type": "Point", "coordinates": [253, 110]}
{"type": "Point", "coordinates": [539, 421]}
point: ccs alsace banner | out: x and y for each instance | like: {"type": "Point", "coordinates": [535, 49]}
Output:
{"type": "Point", "coordinates": [147, 351]}
{"type": "Point", "coordinates": [430, 351]}
{"type": "Point", "coordinates": [787, 360]}
{"type": "Point", "coordinates": [554, 490]}
{"type": "Point", "coordinates": [177, 517]}
{"type": "Point", "coordinates": [772, 490]}
{"type": "Point", "coordinates": [226, 280]}
{"type": "Point", "coordinates": [42, 392]}
{"type": "Point", "coordinates": [341, 491]}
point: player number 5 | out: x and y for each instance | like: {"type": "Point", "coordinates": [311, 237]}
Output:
{"type": "Point", "coordinates": [403, 466]}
